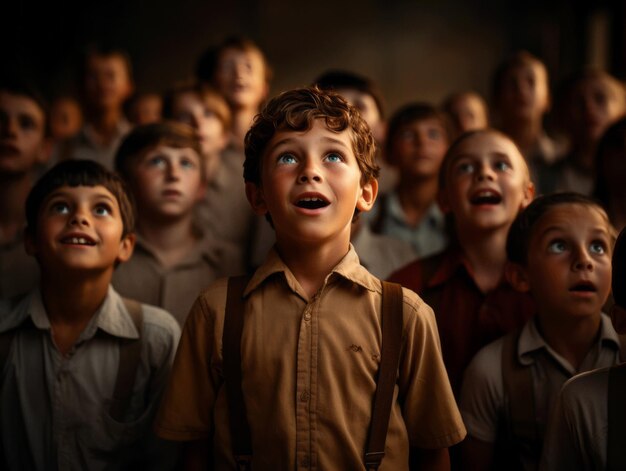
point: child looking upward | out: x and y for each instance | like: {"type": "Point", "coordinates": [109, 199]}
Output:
{"type": "Point", "coordinates": [311, 339]}
{"type": "Point", "coordinates": [81, 369]}
{"type": "Point", "coordinates": [484, 183]}
{"type": "Point", "coordinates": [559, 251]}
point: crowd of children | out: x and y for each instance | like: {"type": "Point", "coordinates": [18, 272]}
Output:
{"type": "Point", "coordinates": [257, 230]}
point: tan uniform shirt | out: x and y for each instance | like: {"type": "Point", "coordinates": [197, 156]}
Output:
{"type": "Point", "coordinates": [175, 288]}
{"type": "Point", "coordinates": [54, 408]}
{"type": "Point", "coordinates": [309, 373]}
{"type": "Point", "coordinates": [483, 402]}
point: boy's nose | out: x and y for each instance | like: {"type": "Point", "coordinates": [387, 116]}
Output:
{"type": "Point", "coordinates": [79, 218]}
{"type": "Point", "coordinates": [583, 260]}
{"type": "Point", "coordinates": [172, 171]}
{"type": "Point", "coordinates": [485, 172]}
{"type": "Point", "coordinates": [309, 173]}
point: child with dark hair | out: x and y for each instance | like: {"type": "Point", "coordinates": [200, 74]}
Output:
{"type": "Point", "coordinates": [586, 430]}
{"type": "Point", "coordinates": [106, 82]}
{"type": "Point", "coordinates": [81, 369]}
{"type": "Point", "coordinates": [418, 138]}
{"type": "Point", "coordinates": [311, 336]}
{"type": "Point", "coordinates": [23, 152]}
{"type": "Point", "coordinates": [559, 250]}
{"type": "Point", "coordinates": [610, 163]}
{"type": "Point", "coordinates": [174, 259]}
{"type": "Point", "coordinates": [238, 69]}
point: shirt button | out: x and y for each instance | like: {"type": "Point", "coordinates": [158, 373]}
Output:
{"type": "Point", "coordinates": [307, 316]}
{"type": "Point", "coordinates": [304, 396]}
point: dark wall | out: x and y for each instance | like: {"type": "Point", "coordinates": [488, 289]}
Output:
{"type": "Point", "coordinates": [415, 49]}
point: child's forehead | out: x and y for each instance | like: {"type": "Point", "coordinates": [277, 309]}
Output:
{"type": "Point", "coordinates": [317, 133]}
{"type": "Point", "coordinates": [564, 217]}
{"type": "Point", "coordinates": [18, 103]}
{"type": "Point", "coordinates": [486, 144]}
{"type": "Point", "coordinates": [81, 192]}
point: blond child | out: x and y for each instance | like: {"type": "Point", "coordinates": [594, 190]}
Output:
{"type": "Point", "coordinates": [174, 259]}
{"type": "Point", "coordinates": [559, 251]}
{"type": "Point", "coordinates": [484, 183]}
{"type": "Point", "coordinates": [311, 338]}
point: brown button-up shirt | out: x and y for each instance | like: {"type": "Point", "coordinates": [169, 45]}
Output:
{"type": "Point", "coordinates": [309, 371]}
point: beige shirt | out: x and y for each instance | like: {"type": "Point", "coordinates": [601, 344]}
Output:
{"type": "Point", "coordinates": [54, 408]}
{"type": "Point", "coordinates": [175, 288]}
{"type": "Point", "coordinates": [309, 373]}
{"type": "Point", "coordinates": [577, 431]}
{"type": "Point", "coordinates": [483, 402]}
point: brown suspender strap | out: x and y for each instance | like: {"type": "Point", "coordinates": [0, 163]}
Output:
{"type": "Point", "coordinates": [130, 354]}
{"type": "Point", "coordinates": [616, 445]}
{"type": "Point", "coordinates": [518, 386]}
{"type": "Point", "coordinates": [391, 320]}
{"type": "Point", "coordinates": [231, 339]}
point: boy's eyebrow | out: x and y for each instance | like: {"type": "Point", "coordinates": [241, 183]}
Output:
{"type": "Point", "coordinates": [290, 140]}
{"type": "Point", "coordinates": [557, 228]}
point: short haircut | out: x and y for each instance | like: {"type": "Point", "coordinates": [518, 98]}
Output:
{"type": "Point", "coordinates": [338, 79]}
{"type": "Point", "coordinates": [104, 50]}
{"type": "Point", "coordinates": [209, 61]}
{"type": "Point", "coordinates": [210, 97]}
{"type": "Point", "coordinates": [521, 231]}
{"type": "Point", "coordinates": [296, 110]}
{"type": "Point", "coordinates": [411, 113]}
{"type": "Point", "coordinates": [21, 86]}
{"type": "Point", "coordinates": [618, 281]}
{"type": "Point", "coordinates": [144, 138]}
{"type": "Point", "coordinates": [75, 173]}
{"type": "Point", "coordinates": [614, 138]}
{"type": "Point", "coordinates": [517, 59]}
{"type": "Point", "coordinates": [454, 147]}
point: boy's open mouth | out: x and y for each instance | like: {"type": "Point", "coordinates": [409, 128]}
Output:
{"type": "Point", "coordinates": [312, 203]}
{"type": "Point", "coordinates": [74, 240]}
{"type": "Point", "coordinates": [483, 197]}
{"type": "Point", "coordinates": [583, 287]}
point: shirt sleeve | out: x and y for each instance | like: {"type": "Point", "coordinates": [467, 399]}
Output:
{"type": "Point", "coordinates": [482, 393]}
{"type": "Point", "coordinates": [429, 409]}
{"type": "Point", "coordinates": [186, 412]}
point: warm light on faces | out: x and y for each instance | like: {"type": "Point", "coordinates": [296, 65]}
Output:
{"type": "Point", "coordinates": [568, 268]}
{"type": "Point", "coordinates": [311, 186]}
{"type": "Point", "coordinates": [469, 113]}
{"type": "Point", "coordinates": [418, 148]}
{"type": "Point", "coordinates": [367, 107]}
{"type": "Point", "coordinates": [22, 132]}
{"type": "Point", "coordinates": [66, 118]}
{"type": "Point", "coordinates": [240, 77]}
{"type": "Point", "coordinates": [189, 108]}
{"type": "Point", "coordinates": [486, 183]}
{"type": "Point", "coordinates": [107, 83]}
{"type": "Point", "coordinates": [80, 228]}
{"type": "Point", "coordinates": [167, 182]}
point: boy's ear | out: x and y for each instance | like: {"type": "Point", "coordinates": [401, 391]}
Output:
{"type": "Point", "coordinates": [516, 275]}
{"type": "Point", "coordinates": [369, 191]}
{"type": "Point", "coordinates": [529, 194]}
{"type": "Point", "coordinates": [254, 193]}
{"type": "Point", "coordinates": [127, 246]}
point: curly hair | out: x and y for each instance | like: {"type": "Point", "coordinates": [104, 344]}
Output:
{"type": "Point", "coordinates": [296, 110]}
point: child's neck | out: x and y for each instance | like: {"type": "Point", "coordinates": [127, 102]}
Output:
{"type": "Point", "coordinates": [13, 194]}
{"type": "Point", "coordinates": [105, 124]}
{"type": "Point", "coordinates": [311, 265]}
{"type": "Point", "coordinates": [71, 300]}
{"type": "Point", "coordinates": [242, 120]}
{"type": "Point", "coordinates": [525, 133]}
{"type": "Point", "coordinates": [416, 197]}
{"type": "Point", "coordinates": [570, 338]}
{"type": "Point", "coordinates": [170, 242]}
{"type": "Point", "coordinates": [486, 253]}
{"type": "Point", "coordinates": [212, 163]}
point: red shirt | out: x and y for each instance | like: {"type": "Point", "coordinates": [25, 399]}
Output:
{"type": "Point", "coordinates": [467, 318]}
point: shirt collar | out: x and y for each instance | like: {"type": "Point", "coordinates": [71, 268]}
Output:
{"type": "Point", "coordinates": [206, 247]}
{"type": "Point", "coordinates": [349, 268]}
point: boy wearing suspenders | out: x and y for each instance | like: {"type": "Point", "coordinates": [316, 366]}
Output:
{"type": "Point", "coordinates": [300, 372]}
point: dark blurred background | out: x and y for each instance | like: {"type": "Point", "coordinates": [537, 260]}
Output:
{"type": "Point", "coordinates": [415, 49]}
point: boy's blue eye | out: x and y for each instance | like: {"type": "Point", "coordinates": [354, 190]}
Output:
{"type": "Point", "coordinates": [286, 159]}
{"type": "Point", "coordinates": [597, 248]}
{"type": "Point", "coordinates": [102, 210]}
{"type": "Point", "coordinates": [156, 161]}
{"type": "Point", "coordinates": [60, 208]}
{"type": "Point", "coordinates": [334, 157]}
{"type": "Point", "coordinates": [557, 246]}
{"type": "Point", "coordinates": [187, 163]}
{"type": "Point", "coordinates": [502, 165]}
{"type": "Point", "coordinates": [434, 134]}
{"type": "Point", "coordinates": [465, 167]}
